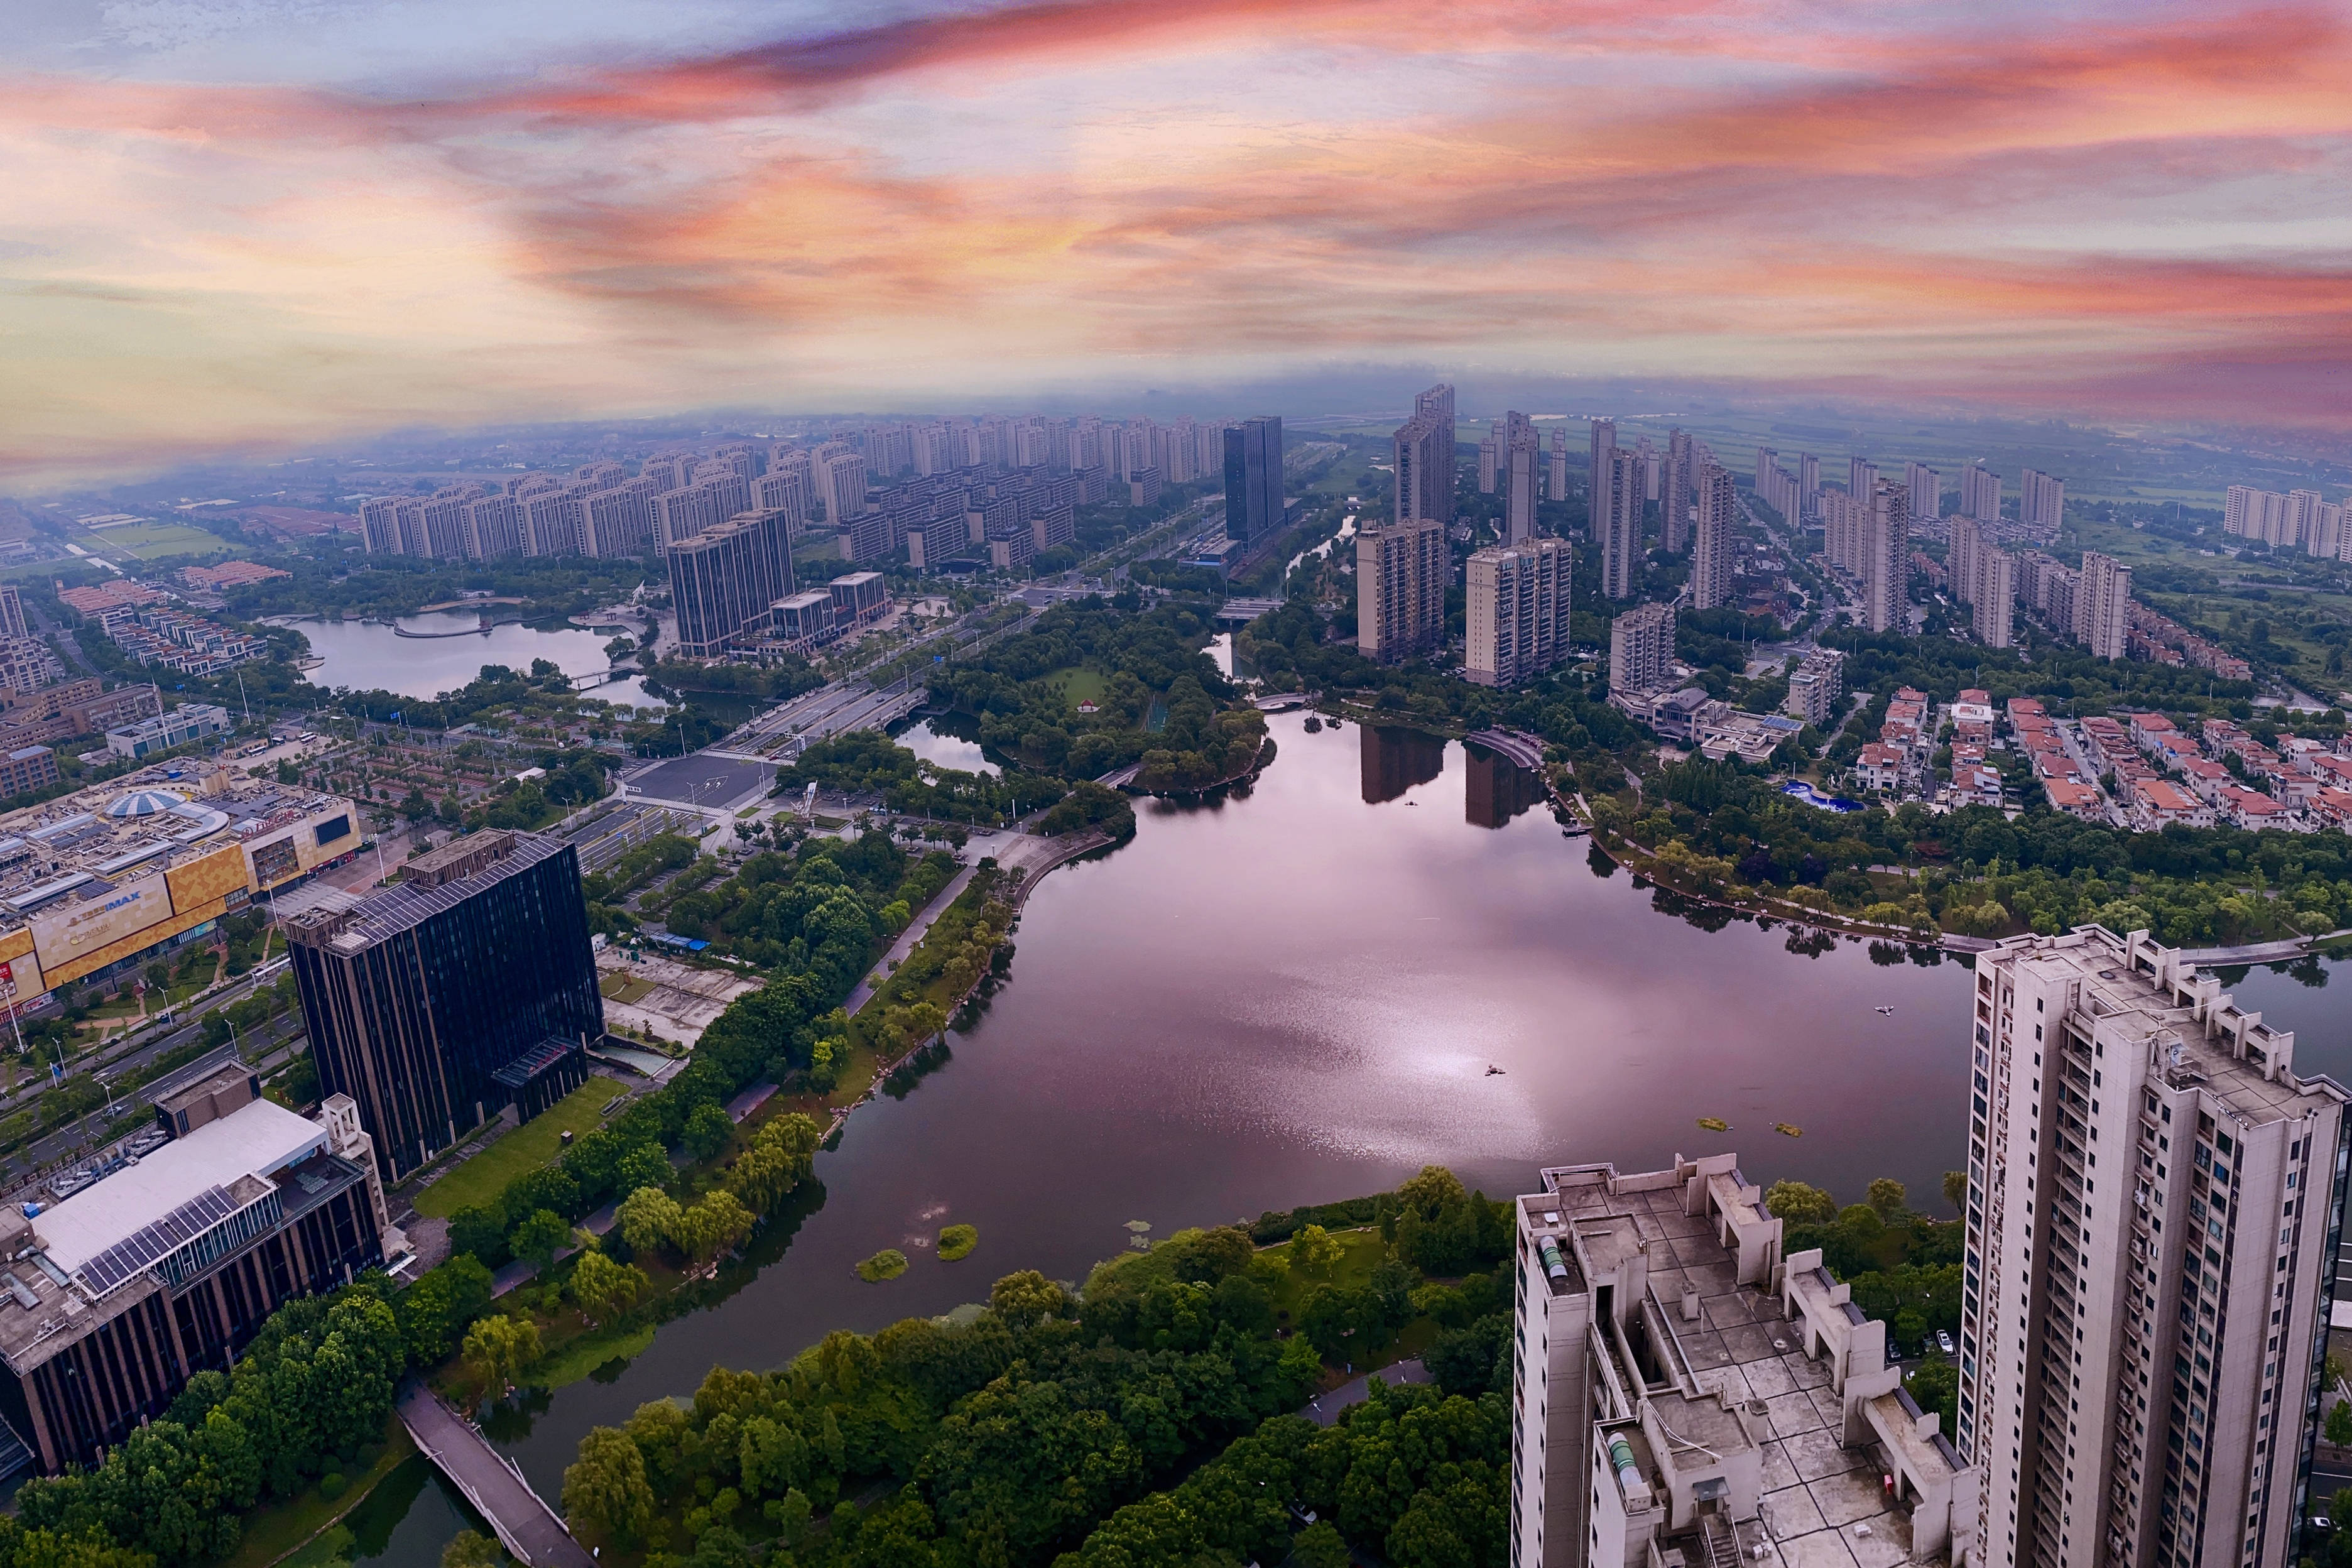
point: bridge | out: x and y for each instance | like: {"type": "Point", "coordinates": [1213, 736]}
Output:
{"type": "Point", "coordinates": [1523, 749]}
{"type": "Point", "coordinates": [1280, 701]}
{"type": "Point", "coordinates": [532, 1532]}
{"type": "Point", "coordinates": [1242, 612]}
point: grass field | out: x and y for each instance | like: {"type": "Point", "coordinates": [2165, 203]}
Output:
{"type": "Point", "coordinates": [154, 540]}
{"type": "Point", "coordinates": [1077, 685]}
{"type": "Point", "coordinates": [536, 1142]}
{"type": "Point", "coordinates": [626, 988]}
{"type": "Point", "coordinates": [1360, 1253]}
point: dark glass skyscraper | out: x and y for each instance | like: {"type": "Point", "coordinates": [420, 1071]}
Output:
{"type": "Point", "coordinates": [468, 987]}
{"type": "Point", "coordinates": [1252, 479]}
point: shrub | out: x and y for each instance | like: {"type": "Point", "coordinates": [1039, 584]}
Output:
{"type": "Point", "coordinates": [886, 1264]}
{"type": "Point", "coordinates": [956, 1241]}
{"type": "Point", "coordinates": [333, 1484]}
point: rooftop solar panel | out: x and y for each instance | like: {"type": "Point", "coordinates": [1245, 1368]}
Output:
{"type": "Point", "coordinates": [126, 1257]}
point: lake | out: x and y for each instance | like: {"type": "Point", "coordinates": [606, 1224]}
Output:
{"type": "Point", "coordinates": [1296, 994]}
{"type": "Point", "coordinates": [365, 655]}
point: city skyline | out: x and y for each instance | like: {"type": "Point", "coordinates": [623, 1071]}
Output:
{"type": "Point", "coordinates": [258, 229]}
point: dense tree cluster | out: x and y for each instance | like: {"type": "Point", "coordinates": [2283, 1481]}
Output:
{"type": "Point", "coordinates": [313, 1390]}
{"type": "Point", "coordinates": [866, 762]}
{"type": "Point", "coordinates": [816, 910]}
{"type": "Point", "coordinates": [1037, 1432]}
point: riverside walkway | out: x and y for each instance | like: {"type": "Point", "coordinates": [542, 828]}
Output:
{"type": "Point", "coordinates": [532, 1532]}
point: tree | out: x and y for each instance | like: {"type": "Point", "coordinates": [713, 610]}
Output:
{"type": "Point", "coordinates": [2339, 1423]}
{"type": "Point", "coordinates": [1313, 1252]}
{"type": "Point", "coordinates": [647, 1219]}
{"type": "Point", "coordinates": [712, 1225]}
{"type": "Point", "coordinates": [498, 1348]}
{"type": "Point", "coordinates": [1021, 1300]}
{"type": "Point", "coordinates": [540, 1236]}
{"type": "Point", "coordinates": [435, 1312]}
{"type": "Point", "coordinates": [782, 1156]}
{"type": "Point", "coordinates": [1886, 1197]}
{"type": "Point", "coordinates": [709, 1130]}
{"type": "Point", "coordinates": [645, 1165]}
{"type": "Point", "coordinates": [1320, 1545]}
{"type": "Point", "coordinates": [471, 1549]}
{"type": "Point", "coordinates": [604, 1491]}
{"type": "Point", "coordinates": [1799, 1204]}
{"type": "Point", "coordinates": [605, 1289]}
{"type": "Point", "coordinates": [1955, 1189]}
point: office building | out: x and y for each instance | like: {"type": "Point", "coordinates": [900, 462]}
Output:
{"type": "Point", "coordinates": [170, 1264]}
{"type": "Point", "coordinates": [1617, 501]}
{"type": "Point", "coordinates": [2042, 500]}
{"type": "Point", "coordinates": [1687, 1391]}
{"type": "Point", "coordinates": [1886, 542]}
{"type": "Point", "coordinates": [2153, 1200]}
{"type": "Point", "coordinates": [189, 721]}
{"type": "Point", "coordinates": [859, 598]}
{"type": "Point", "coordinates": [1718, 503]}
{"type": "Point", "coordinates": [2102, 604]}
{"type": "Point", "coordinates": [27, 769]}
{"type": "Point", "coordinates": [1515, 613]}
{"type": "Point", "coordinates": [723, 580]}
{"type": "Point", "coordinates": [1403, 570]}
{"type": "Point", "coordinates": [1816, 688]}
{"type": "Point", "coordinates": [1422, 449]}
{"type": "Point", "coordinates": [1252, 480]}
{"type": "Point", "coordinates": [1642, 648]}
{"type": "Point", "coordinates": [1925, 487]}
{"type": "Point", "coordinates": [466, 987]}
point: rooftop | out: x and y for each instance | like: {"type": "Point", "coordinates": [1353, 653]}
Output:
{"type": "Point", "coordinates": [405, 906]}
{"type": "Point", "coordinates": [258, 1139]}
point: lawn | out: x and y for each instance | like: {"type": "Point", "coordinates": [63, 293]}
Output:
{"type": "Point", "coordinates": [154, 540]}
{"type": "Point", "coordinates": [625, 988]}
{"type": "Point", "coordinates": [274, 1530]}
{"type": "Point", "coordinates": [1361, 1250]}
{"type": "Point", "coordinates": [1077, 685]}
{"type": "Point", "coordinates": [534, 1143]}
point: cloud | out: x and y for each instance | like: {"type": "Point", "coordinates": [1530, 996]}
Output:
{"type": "Point", "coordinates": [2132, 206]}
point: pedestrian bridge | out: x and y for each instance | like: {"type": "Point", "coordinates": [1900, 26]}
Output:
{"type": "Point", "coordinates": [1523, 749]}
{"type": "Point", "coordinates": [532, 1532]}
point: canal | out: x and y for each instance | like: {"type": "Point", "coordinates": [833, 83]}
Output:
{"type": "Point", "coordinates": [1385, 954]}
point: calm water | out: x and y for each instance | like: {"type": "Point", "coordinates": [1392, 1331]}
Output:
{"type": "Point", "coordinates": [934, 740]}
{"type": "Point", "coordinates": [365, 656]}
{"type": "Point", "coordinates": [1297, 997]}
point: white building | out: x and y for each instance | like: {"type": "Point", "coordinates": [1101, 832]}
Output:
{"type": "Point", "coordinates": [1687, 1393]}
{"type": "Point", "coordinates": [1642, 648]}
{"type": "Point", "coordinates": [1515, 611]}
{"type": "Point", "coordinates": [1710, 578]}
{"type": "Point", "coordinates": [2141, 1333]}
{"type": "Point", "coordinates": [1403, 570]}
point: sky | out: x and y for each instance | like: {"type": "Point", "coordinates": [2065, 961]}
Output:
{"type": "Point", "coordinates": [236, 226]}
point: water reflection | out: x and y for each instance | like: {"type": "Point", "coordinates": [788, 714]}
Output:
{"type": "Point", "coordinates": [367, 657]}
{"type": "Point", "coordinates": [948, 741]}
{"type": "Point", "coordinates": [1396, 760]}
{"type": "Point", "coordinates": [1495, 790]}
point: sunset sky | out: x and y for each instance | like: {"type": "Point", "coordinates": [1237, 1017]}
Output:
{"type": "Point", "coordinates": [254, 223]}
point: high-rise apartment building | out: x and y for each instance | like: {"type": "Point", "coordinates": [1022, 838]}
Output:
{"type": "Point", "coordinates": [466, 987]}
{"type": "Point", "coordinates": [1252, 480]}
{"type": "Point", "coordinates": [1402, 569]}
{"type": "Point", "coordinates": [1489, 466]}
{"type": "Point", "coordinates": [1556, 479]}
{"type": "Point", "coordinates": [1685, 1389]}
{"type": "Point", "coordinates": [1601, 444]}
{"type": "Point", "coordinates": [1617, 499]}
{"type": "Point", "coordinates": [1984, 578]}
{"type": "Point", "coordinates": [1522, 474]}
{"type": "Point", "coordinates": [1424, 454]}
{"type": "Point", "coordinates": [1642, 648]}
{"type": "Point", "coordinates": [1926, 486]}
{"type": "Point", "coordinates": [1861, 478]}
{"type": "Point", "coordinates": [1886, 542]}
{"type": "Point", "coordinates": [2041, 499]}
{"type": "Point", "coordinates": [1516, 611]}
{"type": "Point", "coordinates": [1675, 503]}
{"type": "Point", "coordinates": [1815, 686]}
{"type": "Point", "coordinates": [1809, 486]}
{"type": "Point", "coordinates": [2154, 1203]}
{"type": "Point", "coordinates": [2102, 604]}
{"type": "Point", "coordinates": [1718, 504]}
{"type": "Point", "coordinates": [1980, 493]}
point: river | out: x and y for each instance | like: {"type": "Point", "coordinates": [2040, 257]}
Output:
{"type": "Point", "coordinates": [365, 655]}
{"type": "Point", "coordinates": [1296, 994]}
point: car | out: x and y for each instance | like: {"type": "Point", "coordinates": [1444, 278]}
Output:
{"type": "Point", "coordinates": [1943, 1342]}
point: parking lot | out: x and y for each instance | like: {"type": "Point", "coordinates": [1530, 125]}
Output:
{"type": "Point", "coordinates": [708, 782]}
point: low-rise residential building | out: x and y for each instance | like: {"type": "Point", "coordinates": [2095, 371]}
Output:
{"type": "Point", "coordinates": [1974, 782]}
{"type": "Point", "coordinates": [1816, 687]}
{"type": "Point", "coordinates": [2331, 770]}
{"type": "Point", "coordinates": [2251, 809]}
{"type": "Point", "coordinates": [1880, 767]}
{"type": "Point", "coordinates": [2331, 808]}
{"type": "Point", "coordinates": [27, 769]}
{"type": "Point", "coordinates": [2081, 800]}
{"type": "Point", "coordinates": [2206, 779]}
{"type": "Point", "coordinates": [2158, 804]}
{"type": "Point", "coordinates": [2145, 728]}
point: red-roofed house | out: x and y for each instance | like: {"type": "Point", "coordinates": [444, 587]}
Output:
{"type": "Point", "coordinates": [2206, 779]}
{"type": "Point", "coordinates": [2158, 802]}
{"type": "Point", "coordinates": [2077, 799]}
{"type": "Point", "coordinates": [1880, 767]}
